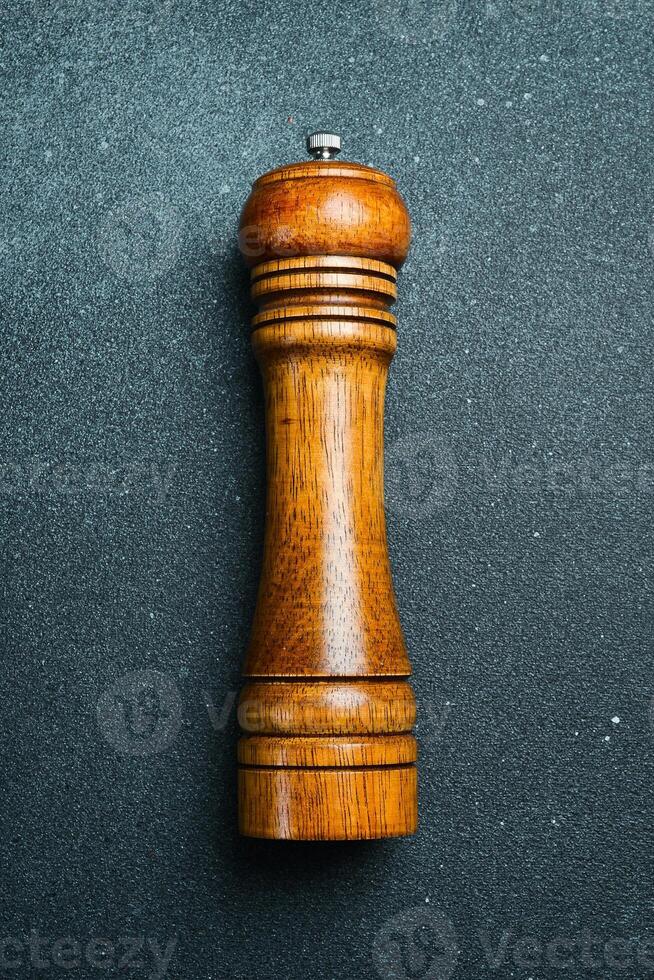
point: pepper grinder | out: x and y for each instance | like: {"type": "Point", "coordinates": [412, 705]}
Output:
{"type": "Point", "coordinates": [327, 751]}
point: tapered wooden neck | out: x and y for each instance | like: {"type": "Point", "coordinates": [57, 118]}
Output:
{"type": "Point", "coordinates": [327, 710]}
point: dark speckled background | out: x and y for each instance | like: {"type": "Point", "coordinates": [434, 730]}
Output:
{"type": "Point", "coordinates": [520, 481]}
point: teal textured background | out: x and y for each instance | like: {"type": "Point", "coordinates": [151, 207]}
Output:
{"type": "Point", "coordinates": [520, 479]}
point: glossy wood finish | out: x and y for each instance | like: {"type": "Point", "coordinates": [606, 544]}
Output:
{"type": "Point", "coordinates": [342, 706]}
{"type": "Point", "coordinates": [327, 804]}
{"type": "Point", "coordinates": [325, 208]}
{"type": "Point", "coordinates": [327, 711]}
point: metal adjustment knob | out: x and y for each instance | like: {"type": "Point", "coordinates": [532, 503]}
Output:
{"type": "Point", "coordinates": [323, 146]}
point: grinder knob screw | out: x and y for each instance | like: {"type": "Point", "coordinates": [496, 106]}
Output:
{"type": "Point", "coordinates": [323, 146]}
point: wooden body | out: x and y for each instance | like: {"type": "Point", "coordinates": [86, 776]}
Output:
{"type": "Point", "coordinates": [327, 710]}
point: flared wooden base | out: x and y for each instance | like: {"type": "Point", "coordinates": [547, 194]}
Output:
{"type": "Point", "coordinates": [327, 804]}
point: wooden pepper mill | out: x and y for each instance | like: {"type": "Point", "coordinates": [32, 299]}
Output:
{"type": "Point", "coordinates": [327, 709]}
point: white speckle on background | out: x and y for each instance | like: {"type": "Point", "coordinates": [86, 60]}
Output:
{"type": "Point", "coordinates": [615, 719]}
{"type": "Point", "coordinates": [481, 101]}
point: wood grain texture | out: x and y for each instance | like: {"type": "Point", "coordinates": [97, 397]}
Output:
{"type": "Point", "coordinates": [325, 208]}
{"type": "Point", "coordinates": [327, 804]}
{"type": "Point", "coordinates": [337, 706]}
{"type": "Point", "coordinates": [327, 711]}
{"type": "Point", "coordinates": [328, 751]}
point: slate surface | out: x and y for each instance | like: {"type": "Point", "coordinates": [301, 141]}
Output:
{"type": "Point", "coordinates": [520, 484]}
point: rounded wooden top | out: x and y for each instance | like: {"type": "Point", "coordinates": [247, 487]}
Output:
{"type": "Point", "coordinates": [324, 207]}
